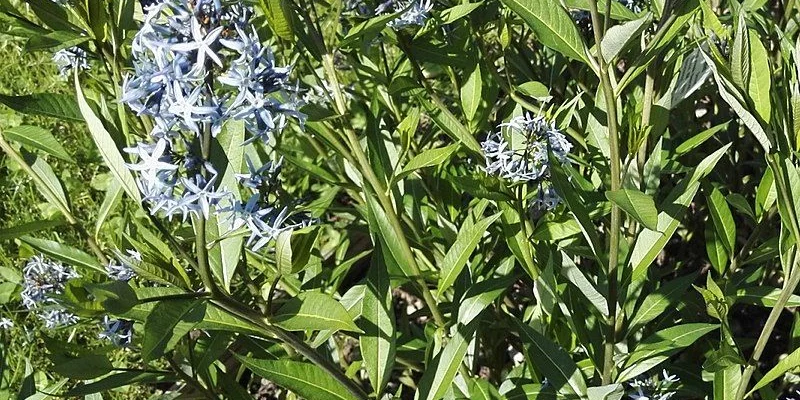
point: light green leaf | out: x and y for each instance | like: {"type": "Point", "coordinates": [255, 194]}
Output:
{"type": "Point", "coordinates": [304, 379]}
{"type": "Point", "coordinates": [37, 138]}
{"type": "Point", "coordinates": [455, 13]}
{"type": "Point", "coordinates": [448, 123]}
{"type": "Point", "coordinates": [531, 391]}
{"type": "Point", "coordinates": [534, 89]}
{"type": "Point", "coordinates": [459, 253]}
{"type": "Point", "coordinates": [760, 82]}
{"type": "Point", "coordinates": [108, 148]}
{"type": "Point", "coordinates": [66, 254]}
{"type": "Point", "coordinates": [577, 206]}
{"type": "Point", "coordinates": [783, 366]}
{"type": "Point", "coordinates": [110, 202]}
{"type": "Point", "coordinates": [283, 252]}
{"type": "Point", "coordinates": [439, 374]}
{"type": "Point", "coordinates": [662, 344]}
{"type": "Point", "coordinates": [586, 287]}
{"type": "Point", "coordinates": [723, 219]}
{"type": "Point", "coordinates": [119, 380]}
{"type": "Point", "coordinates": [622, 36]}
{"type": "Point", "coordinates": [314, 311]}
{"type": "Point", "coordinates": [471, 93]}
{"type": "Point", "coordinates": [556, 365]}
{"type": "Point", "coordinates": [480, 295]}
{"type": "Point", "coordinates": [553, 26]}
{"type": "Point", "coordinates": [764, 296]}
{"type": "Point", "coordinates": [699, 139]}
{"type": "Point", "coordinates": [428, 158]}
{"type": "Point", "coordinates": [661, 299]}
{"type": "Point", "coordinates": [50, 186]}
{"type": "Point", "coordinates": [637, 204]}
{"type": "Point", "coordinates": [279, 17]}
{"type": "Point", "coordinates": [378, 343]}
{"type": "Point", "coordinates": [167, 323]}
{"type": "Point", "coordinates": [740, 54]}
{"type": "Point", "coordinates": [650, 242]}
{"type": "Point", "coordinates": [227, 155]}
{"type": "Point", "coordinates": [730, 95]}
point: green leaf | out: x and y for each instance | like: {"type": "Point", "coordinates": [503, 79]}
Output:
{"type": "Point", "coordinates": [283, 252]}
{"type": "Point", "coordinates": [66, 254]}
{"type": "Point", "coordinates": [306, 380]}
{"type": "Point", "coordinates": [441, 371]}
{"type": "Point", "coordinates": [740, 54]}
{"type": "Point", "coordinates": [764, 296]}
{"type": "Point", "coordinates": [110, 202]}
{"type": "Point", "coordinates": [459, 253]}
{"type": "Point", "coordinates": [661, 345]}
{"type": "Point", "coordinates": [51, 13]}
{"type": "Point", "coordinates": [699, 139]}
{"type": "Point", "coordinates": [54, 41]}
{"type": "Point", "coordinates": [314, 311]}
{"type": "Point", "coordinates": [108, 148]}
{"type": "Point", "coordinates": [637, 204]}
{"type": "Point", "coordinates": [660, 300]}
{"type": "Point", "coordinates": [378, 343]}
{"type": "Point", "coordinates": [88, 366]}
{"type": "Point", "coordinates": [731, 96]}
{"type": "Point", "coordinates": [783, 366]}
{"type": "Point", "coordinates": [448, 122]}
{"type": "Point", "coordinates": [37, 138]}
{"type": "Point", "coordinates": [650, 242]}
{"type": "Point", "coordinates": [619, 37]}
{"type": "Point", "coordinates": [576, 205]}
{"type": "Point", "coordinates": [383, 232]}
{"type": "Point", "coordinates": [60, 106]}
{"type": "Point", "coordinates": [119, 380]}
{"type": "Point", "coordinates": [452, 14]}
{"type": "Point", "coordinates": [167, 323]}
{"type": "Point", "coordinates": [723, 219]}
{"type": "Point", "coordinates": [556, 365]}
{"type": "Point", "coordinates": [480, 295]}
{"type": "Point", "coordinates": [471, 93]}
{"type": "Point", "coordinates": [279, 17]}
{"type": "Point", "coordinates": [760, 81]}
{"type": "Point", "coordinates": [50, 186]}
{"type": "Point", "coordinates": [29, 227]}
{"type": "Point", "coordinates": [586, 287]}
{"type": "Point", "coordinates": [227, 155]}
{"type": "Point", "coordinates": [368, 29]}
{"type": "Point", "coordinates": [553, 26]}
{"type": "Point", "coordinates": [427, 158]}
{"type": "Point", "coordinates": [618, 11]}
{"type": "Point", "coordinates": [534, 89]}
{"type": "Point", "coordinates": [531, 391]}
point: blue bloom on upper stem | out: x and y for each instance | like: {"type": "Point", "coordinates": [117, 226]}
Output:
{"type": "Point", "coordinates": [414, 12]}
{"type": "Point", "coordinates": [118, 331]}
{"type": "Point", "coordinates": [522, 153]}
{"type": "Point", "coordinates": [69, 59]}
{"type": "Point", "coordinates": [44, 280]}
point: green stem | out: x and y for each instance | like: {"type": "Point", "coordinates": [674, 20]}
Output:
{"type": "Point", "coordinates": [244, 312]}
{"type": "Point", "coordinates": [614, 228]}
{"type": "Point", "coordinates": [381, 193]}
{"type": "Point", "coordinates": [788, 288]}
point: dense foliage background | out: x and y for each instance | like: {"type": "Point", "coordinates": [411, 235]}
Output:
{"type": "Point", "coordinates": [501, 199]}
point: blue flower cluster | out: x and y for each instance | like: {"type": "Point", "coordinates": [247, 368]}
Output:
{"type": "Point", "coordinates": [199, 64]}
{"type": "Point", "coordinates": [414, 12]}
{"type": "Point", "coordinates": [44, 280]}
{"type": "Point", "coordinates": [68, 59]}
{"type": "Point", "coordinates": [521, 153]}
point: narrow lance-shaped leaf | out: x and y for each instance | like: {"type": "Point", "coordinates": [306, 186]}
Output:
{"type": "Point", "coordinates": [167, 323]}
{"type": "Point", "coordinates": [304, 379]}
{"type": "Point", "coordinates": [621, 36]}
{"type": "Point", "coordinates": [378, 343]}
{"type": "Point", "coordinates": [657, 302]}
{"type": "Point", "coordinates": [37, 138]}
{"type": "Point", "coordinates": [637, 204]}
{"type": "Point", "coordinates": [760, 81]}
{"type": "Point", "coordinates": [556, 365]}
{"type": "Point", "coordinates": [459, 253]}
{"type": "Point", "coordinates": [442, 370]}
{"type": "Point", "coordinates": [553, 26]}
{"type": "Point", "coordinates": [471, 93]}
{"type": "Point", "coordinates": [107, 146]}
{"type": "Point", "coordinates": [314, 311]}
